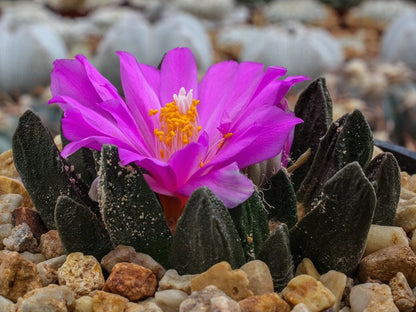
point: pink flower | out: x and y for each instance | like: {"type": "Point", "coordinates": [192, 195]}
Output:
{"type": "Point", "coordinates": [184, 133]}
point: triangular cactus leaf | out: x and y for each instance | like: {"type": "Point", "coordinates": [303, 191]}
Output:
{"type": "Point", "coordinates": [205, 235]}
{"type": "Point", "coordinates": [384, 174]}
{"type": "Point", "coordinates": [314, 107]}
{"type": "Point", "coordinates": [45, 174]}
{"type": "Point", "coordinates": [277, 255]}
{"type": "Point", "coordinates": [280, 199]}
{"type": "Point", "coordinates": [131, 212]}
{"type": "Point", "coordinates": [333, 235]}
{"type": "Point", "coordinates": [348, 139]}
{"type": "Point", "coordinates": [250, 220]}
{"type": "Point", "coordinates": [80, 230]}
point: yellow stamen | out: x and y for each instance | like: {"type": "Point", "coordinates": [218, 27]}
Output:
{"type": "Point", "coordinates": [228, 135]}
{"type": "Point", "coordinates": [178, 123]}
{"type": "Point", "coordinates": [153, 112]}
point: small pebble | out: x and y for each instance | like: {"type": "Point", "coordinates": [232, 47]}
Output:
{"type": "Point", "coordinates": [232, 282]}
{"type": "Point", "coordinates": [307, 267]}
{"type": "Point", "coordinates": [406, 216]}
{"type": "Point", "coordinates": [48, 270]}
{"type": "Point", "coordinates": [107, 302]}
{"type": "Point", "coordinates": [259, 277]}
{"type": "Point", "coordinates": [51, 245]}
{"type": "Point", "coordinates": [33, 257]}
{"type": "Point", "coordinates": [270, 302]}
{"type": "Point", "coordinates": [31, 218]}
{"type": "Point", "coordinates": [169, 300]}
{"type": "Point", "coordinates": [81, 273]}
{"type": "Point", "coordinates": [209, 299]}
{"type": "Point", "coordinates": [300, 307]}
{"type": "Point", "coordinates": [384, 264]}
{"type": "Point", "coordinates": [21, 239]}
{"type": "Point", "coordinates": [147, 305]}
{"type": "Point", "coordinates": [5, 231]}
{"type": "Point", "coordinates": [335, 281]}
{"type": "Point", "coordinates": [306, 289]}
{"type": "Point", "coordinates": [381, 236]}
{"type": "Point", "coordinates": [83, 304]}
{"type": "Point", "coordinates": [172, 280]}
{"type": "Point", "coordinates": [18, 275]}
{"type": "Point", "coordinates": [8, 203]}
{"type": "Point", "coordinates": [403, 296]}
{"type": "Point", "coordinates": [9, 186]}
{"type": "Point", "coordinates": [131, 281]}
{"type": "Point", "coordinates": [128, 254]}
{"type": "Point", "coordinates": [52, 298]}
{"type": "Point", "coordinates": [6, 305]}
{"type": "Point", "coordinates": [372, 297]}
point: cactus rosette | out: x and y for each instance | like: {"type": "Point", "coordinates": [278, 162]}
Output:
{"type": "Point", "coordinates": [145, 180]}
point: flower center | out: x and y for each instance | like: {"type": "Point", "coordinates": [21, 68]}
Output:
{"type": "Point", "coordinates": [178, 123]}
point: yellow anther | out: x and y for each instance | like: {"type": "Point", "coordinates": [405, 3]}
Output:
{"type": "Point", "coordinates": [199, 128]}
{"type": "Point", "coordinates": [153, 112]}
{"type": "Point", "coordinates": [220, 144]}
{"type": "Point", "coordinates": [201, 164]}
{"type": "Point", "coordinates": [229, 134]}
{"type": "Point", "coordinates": [162, 153]}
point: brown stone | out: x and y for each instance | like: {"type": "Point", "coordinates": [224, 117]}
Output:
{"type": "Point", "coordinates": [372, 297]}
{"type": "Point", "coordinates": [21, 239]}
{"type": "Point", "coordinates": [209, 299]}
{"type": "Point", "coordinates": [107, 302]}
{"type": "Point", "coordinates": [128, 254]}
{"type": "Point", "coordinates": [12, 186]}
{"type": "Point", "coordinates": [48, 270]}
{"type": "Point", "coordinates": [131, 281]}
{"type": "Point", "coordinates": [172, 280]}
{"type": "Point", "coordinates": [307, 267]}
{"type": "Point", "coordinates": [259, 276]}
{"type": "Point", "coordinates": [306, 289]}
{"type": "Point", "coordinates": [31, 218]}
{"type": "Point", "coordinates": [8, 203]}
{"type": "Point", "coordinates": [270, 302]}
{"type": "Point", "coordinates": [234, 283]}
{"type": "Point", "coordinates": [50, 245]}
{"type": "Point", "coordinates": [52, 298]}
{"type": "Point", "coordinates": [18, 275]}
{"type": "Point", "coordinates": [403, 296]}
{"type": "Point", "coordinates": [7, 167]}
{"type": "Point", "coordinates": [81, 273]}
{"type": "Point", "coordinates": [385, 263]}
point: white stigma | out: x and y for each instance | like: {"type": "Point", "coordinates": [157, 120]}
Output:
{"type": "Point", "coordinates": [183, 100]}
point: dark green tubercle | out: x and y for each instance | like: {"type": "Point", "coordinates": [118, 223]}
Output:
{"type": "Point", "coordinates": [45, 174]}
{"type": "Point", "coordinates": [131, 212]}
{"type": "Point", "coordinates": [314, 107]}
{"type": "Point", "coordinates": [80, 230]}
{"type": "Point", "coordinates": [333, 235]}
{"type": "Point", "coordinates": [348, 139]}
{"type": "Point", "coordinates": [205, 235]}
{"type": "Point", "coordinates": [280, 199]}
{"type": "Point", "coordinates": [277, 255]}
{"type": "Point", "coordinates": [384, 174]}
{"type": "Point", "coordinates": [250, 220]}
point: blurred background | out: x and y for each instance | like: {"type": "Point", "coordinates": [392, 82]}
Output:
{"type": "Point", "coordinates": [366, 50]}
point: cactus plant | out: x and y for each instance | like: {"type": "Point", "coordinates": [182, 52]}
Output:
{"type": "Point", "coordinates": [399, 41]}
{"type": "Point", "coordinates": [207, 232]}
{"type": "Point", "coordinates": [285, 45]}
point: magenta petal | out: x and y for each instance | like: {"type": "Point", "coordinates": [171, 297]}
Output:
{"type": "Point", "coordinates": [227, 83]}
{"type": "Point", "coordinates": [227, 183]}
{"type": "Point", "coordinates": [257, 138]}
{"type": "Point", "coordinates": [186, 161]}
{"type": "Point", "coordinates": [178, 70]}
{"type": "Point", "coordinates": [140, 96]}
{"type": "Point", "coordinates": [160, 177]}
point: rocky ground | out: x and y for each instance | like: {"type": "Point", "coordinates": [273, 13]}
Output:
{"type": "Point", "coordinates": [37, 275]}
